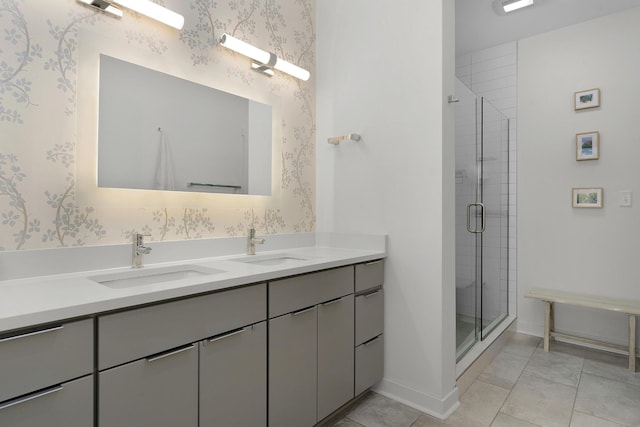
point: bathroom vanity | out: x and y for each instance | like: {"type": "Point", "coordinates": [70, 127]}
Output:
{"type": "Point", "coordinates": [279, 339]}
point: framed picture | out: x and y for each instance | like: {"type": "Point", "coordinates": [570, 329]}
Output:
{"type": "Point", "coordinates": [588, 146]}
{"type": "Point", "coordinates": [587, 99]}
{"type": "Point", "coordinates": [587, 197]}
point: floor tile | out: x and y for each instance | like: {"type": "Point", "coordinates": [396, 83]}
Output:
{"type": "Point", "coordinates": [608, 399]}
{"type": "Point", "coordinates": [540, 401]}
{"type": "Point", "coordinates": [504, 370]}
{"type": "Point", "coordinates": [612, 366]}
{"type": "Point", "coordinates": [504, 420]}
{"type": "Point", "coordinates": [427, 421]}
{"type": "Point", "coordinates": [566, 348]}
{"type": "Point", "coordinates": [346, 422]}
{"type": "Point", "coordinates": [521, 344]}
{"type": "Point", "coordinates": [571, 386]}
{"type": "Point", "coordinates": [583, 420]}
{"type": "Point", "coordinates": [378, 411]}
{"type": "Point", "coordinates": [479, 406]}
{"type": "Point", "coordinates": [553, 366]}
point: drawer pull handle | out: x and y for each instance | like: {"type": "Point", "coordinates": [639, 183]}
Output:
{"type": "Point", "coordinates": [31, 397]}
{"type": "Point", "coordinates": [31, 334]}
{"type": "Point", "coordinates": [372, 293]}
{"type": "Point", "coordinates": [170, 353]}
{"type": "Point", "coordinates": [371, 341]}
{"type": "Point", "coordinates": [333, 301]}
{"type": "Point", "coordinates": [304, 310]}
{"type": "Point", "coordinates": [373, 262]}
{"type": "Point", "coordinates": [227, 335]}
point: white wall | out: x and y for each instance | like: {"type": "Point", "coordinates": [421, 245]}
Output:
{"type": "Point", "coordinates": [594, 251]}
{"type": "Point", "coordinates": [381, 71]}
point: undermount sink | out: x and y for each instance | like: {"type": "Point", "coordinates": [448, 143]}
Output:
{"type": "Point", "coordinates": [133, 278]}
{"type": "Point", "coordinates": [272, 259]}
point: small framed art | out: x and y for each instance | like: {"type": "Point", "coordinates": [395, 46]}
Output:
{"type": "Point", "coordinates": [588, 146]}
{"type": "Point", "coordinates": [587, 197]}
{"type": "Point", "coordinates": [587, 99]}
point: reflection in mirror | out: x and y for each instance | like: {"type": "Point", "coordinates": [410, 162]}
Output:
{"type": "Point", "coordinates": [160, 132]}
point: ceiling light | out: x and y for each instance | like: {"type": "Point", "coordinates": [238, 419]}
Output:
{"type": "Point", "coordinates": [264, 61]}
{"type": "Point", "coordinates": [511, 5]}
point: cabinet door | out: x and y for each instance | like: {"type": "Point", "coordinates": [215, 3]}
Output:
{"type": "Point", "coordinates": [159, 391]}
{"type": "Point", "coordinates": [369, 316]}
{"type": "Point", "coordinates": [70, 404]}
{"type": "Point", "coordinates": [369, 364]}
{"type": "Point", "coordinates": [51, 355]}
{"type": "Point", "coordinates": [293, 362]}
{"type": "Point", "coordinates": [233, 378]}
{"type": "Point", "coordinates": [335, 354]}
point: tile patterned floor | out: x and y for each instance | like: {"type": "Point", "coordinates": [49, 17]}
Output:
{"type": "Point", "coordinates": [523, 386]}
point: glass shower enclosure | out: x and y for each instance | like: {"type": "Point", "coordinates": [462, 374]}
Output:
{"type": "Point", "coordinates": [482, 218]}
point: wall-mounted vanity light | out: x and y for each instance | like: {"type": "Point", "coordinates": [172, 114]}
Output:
{"type": "Point", "coordinates": [145, 7]}
{"type": "Point", "coordinates": [263, 61]}
{"type": "Point", "coordinates": [511, 5]}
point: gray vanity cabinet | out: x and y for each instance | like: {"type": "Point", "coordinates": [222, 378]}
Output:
{"type": "Point", "coordinates": [45, 376]}
{"type": "Point", "coordinates": [158, 365]}
{"type": "Point", "coordinates": [233, 378]}
{"type": "Point", "coordinates": [335, 354]}
{"type": "Point", "coordinates": [158, 391]}
{"type": "Point", "coordinates": [310, 346]}
{"type": "Point", "coordinates": [369, 325]}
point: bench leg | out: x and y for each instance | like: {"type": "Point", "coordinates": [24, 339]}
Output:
{"type": "Point", "coordinates": [632, 342]}
{"type": "Point", "coordinates": [548, 323]}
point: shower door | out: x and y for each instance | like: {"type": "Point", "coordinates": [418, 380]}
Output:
{"type": "Point", "coordinates": [482, 201]}
{"type": "Point", "coordinates": [493, 241]}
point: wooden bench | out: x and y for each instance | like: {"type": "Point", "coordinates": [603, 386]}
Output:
{"type": "Point", "coordinates": [628, 307]}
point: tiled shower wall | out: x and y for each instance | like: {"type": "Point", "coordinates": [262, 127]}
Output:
{"type": "Point", "coordinates": [492, 73]}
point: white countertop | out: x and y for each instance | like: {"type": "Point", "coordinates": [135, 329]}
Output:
{"type": "Point", "coordinates": [32, 301]}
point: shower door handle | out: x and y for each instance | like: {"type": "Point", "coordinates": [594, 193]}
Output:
{"type": "Point", "coordinates": [484, 218]}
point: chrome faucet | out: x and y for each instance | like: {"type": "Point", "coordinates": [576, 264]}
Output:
{"type": "Point", "coordinates": [252, 241]}
{"type": "Point", "coordinates": [139, 249]}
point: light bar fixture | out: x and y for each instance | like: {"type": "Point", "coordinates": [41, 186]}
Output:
{"type": "Point", "coordinates": [511, 5]}
{"type": "Point", "coordinates": [104, 6]}
{"type": "Point", "coordinates": [263, 61]}
{"type": "Point", "coordinates": [144, 7]}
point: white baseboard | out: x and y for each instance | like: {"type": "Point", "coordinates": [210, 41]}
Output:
{"type": "Point", "coordinates": [436, 407]}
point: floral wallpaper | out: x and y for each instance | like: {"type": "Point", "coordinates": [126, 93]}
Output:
{"type": "Point", "coordinates": [38, 71]}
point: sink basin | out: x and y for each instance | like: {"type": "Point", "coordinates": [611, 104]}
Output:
{"type": "Point", "coordinates": [273, 259]}
{"type": "Point", "coordinates": [133, 278]}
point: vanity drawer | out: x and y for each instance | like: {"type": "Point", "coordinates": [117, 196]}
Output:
{"type": "Point", "coordinates": [369, 315]}
{"type": "Point", "coordinates": [298, 292]}
{"type": "Point", "coordinates": [138, 333]}
{"type": "Point", "coordinates": [369, 364]}
{"type": "Point", "coordinates": [69, 404]}
{"type": "Point", "coordinates": [369, 275]}
{"type": "Point", "coordinates": [45, 357]}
